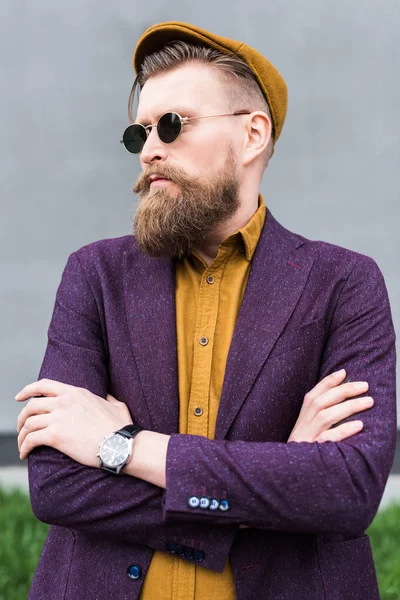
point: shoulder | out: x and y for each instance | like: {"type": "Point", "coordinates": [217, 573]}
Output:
{"type": "Point", "coordinates": [330, 259]}
{"type": "Point", "coordinates": [107, 250]}
{"type": "Point", "coordinates": [102, 262]}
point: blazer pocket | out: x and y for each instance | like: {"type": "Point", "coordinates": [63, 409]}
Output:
{"type": "Point", "coordinates": [51, 577]}
{"type": "Point", "coordinates": [348, 569]}
{"type": "Point", "coordinates": [299, 337]}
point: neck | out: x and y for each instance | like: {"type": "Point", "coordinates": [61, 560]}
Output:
{"type": "Point", "coordinates": [209, 249]}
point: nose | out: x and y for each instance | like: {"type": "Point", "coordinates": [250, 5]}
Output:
{"type": "Point", "coordinates": [154, 150]}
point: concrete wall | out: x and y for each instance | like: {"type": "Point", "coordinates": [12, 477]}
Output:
{"type": "Point", "coordinates": [66, 181]}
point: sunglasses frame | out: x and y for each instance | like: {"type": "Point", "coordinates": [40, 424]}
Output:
{"type": "Point", "coordinates": [183, 121]}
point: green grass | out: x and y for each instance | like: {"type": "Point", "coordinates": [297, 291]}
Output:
{"type": "Point", "coordinates": [22, 537]}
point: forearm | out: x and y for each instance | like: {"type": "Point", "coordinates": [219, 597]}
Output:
{"type": "Point", "coordinates": [149, 452]}
{"type": "Point", "coordinates": [81, 498]}
{"type": "Point", "coordinates": [297, 487]}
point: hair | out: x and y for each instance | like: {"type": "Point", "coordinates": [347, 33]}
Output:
{"type": "Point", "coordinates": [244, 91]}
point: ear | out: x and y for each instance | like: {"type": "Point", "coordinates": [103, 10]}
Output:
{"type": "Point", "coordinates": [258, 133]}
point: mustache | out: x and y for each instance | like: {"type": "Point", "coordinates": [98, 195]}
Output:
{"type": "Point", "coordinates": [175, 174]}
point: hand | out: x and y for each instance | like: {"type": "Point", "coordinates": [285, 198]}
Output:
{"type": "Point", "coordinates": [324, 406]}
{"type": "Point", "coordinates": [70, 419]}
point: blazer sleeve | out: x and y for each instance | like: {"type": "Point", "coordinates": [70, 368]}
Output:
{"type": "Point", "coordinates": [64, 492]}
{"type": "Point", "coordinates": [332, 487]}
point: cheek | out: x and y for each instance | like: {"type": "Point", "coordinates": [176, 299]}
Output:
{"type": "Point", "coordinates": [203, 151]}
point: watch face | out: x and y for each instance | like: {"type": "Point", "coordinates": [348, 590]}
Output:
{"type": "Point", "coordinates": [114, 450]}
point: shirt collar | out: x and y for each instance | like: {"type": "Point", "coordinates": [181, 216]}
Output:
{"type": "Point", "coordinates": [251, 232]}
{"type": "Point", "coordinates": [244, 239]}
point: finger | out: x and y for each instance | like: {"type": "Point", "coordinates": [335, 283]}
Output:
{"type": "Point", "coordinates": [43, 387]}
{"type": "Point", "coordinates": [334, 414]}
{"type": "Point", "coordinates": [33, 423]}
{"type": "Point", "coordinates": [337, 434]}
{"type": "Point", "coordinates": [33, 440]}
{"type": "Point", "coordinates": [326, 383]}
{"type": "Point", "coordinates": [341, 393]}
{"type": "Point", "coordinates": [35, 406]}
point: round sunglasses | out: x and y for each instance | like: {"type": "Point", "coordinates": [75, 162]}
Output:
{"type": "Point", "coordinates": [169, 128]}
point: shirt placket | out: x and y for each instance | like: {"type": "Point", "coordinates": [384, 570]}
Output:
{"type": "Point", "coordinates": [204, 336]}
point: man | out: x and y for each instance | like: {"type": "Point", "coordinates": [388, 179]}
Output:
{"type": "Point", "coordinates": [216, 343]}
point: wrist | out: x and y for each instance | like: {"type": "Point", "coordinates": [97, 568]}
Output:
{"type": "Point", "coordinates": [148, 460]}
{"type": "Point", "coordinates": [116, 450]}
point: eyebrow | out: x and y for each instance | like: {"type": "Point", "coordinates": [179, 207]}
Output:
{"type": "Point", "coordinates": [181, 110]}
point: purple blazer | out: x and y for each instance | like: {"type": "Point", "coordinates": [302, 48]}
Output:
{"type": "Point", "coordinates": [310, 308]}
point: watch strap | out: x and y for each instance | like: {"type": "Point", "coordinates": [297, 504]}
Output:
{"type": "Point", "coordinates": [129, 431]}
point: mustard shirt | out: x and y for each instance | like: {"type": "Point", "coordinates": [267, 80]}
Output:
{"type": "Point", "coordinates": [208, 298]}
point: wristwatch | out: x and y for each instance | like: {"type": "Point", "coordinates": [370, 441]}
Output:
{"type": "Point", "coordinates": [116, 448]}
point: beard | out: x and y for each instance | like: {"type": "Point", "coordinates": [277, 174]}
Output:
{"type": "Point", "coordinates": [170, 222]}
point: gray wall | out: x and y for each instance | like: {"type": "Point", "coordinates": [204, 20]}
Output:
{"type": "Point", "coordinates": [66, 181]}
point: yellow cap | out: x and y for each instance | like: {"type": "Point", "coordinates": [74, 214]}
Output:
{"type": "Point", "coordinates": [270, 80]}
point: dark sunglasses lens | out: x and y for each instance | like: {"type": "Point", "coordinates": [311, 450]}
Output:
{"type": "Point", "coordinates": [134, 138]}
{"type": "Point", "coordinates": [169, 127]}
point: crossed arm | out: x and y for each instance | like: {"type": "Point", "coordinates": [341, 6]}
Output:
{"type": "Point", "coordinates": [348, 476]}
{"type": "Point", "coordinates": [72, 420]}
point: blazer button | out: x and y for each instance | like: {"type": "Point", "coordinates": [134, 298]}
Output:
{"type": "Point", "coordinates": [134, 572]}
{"type": "Point", "coordinates": [194, 502]}
{"type": "Point", "coordinates": [198, 555]}
{"type": "Point", "coordinates": [224, 505]}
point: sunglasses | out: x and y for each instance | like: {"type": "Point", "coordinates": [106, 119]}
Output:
{"type": "Point", "coordinates": [169, 128]}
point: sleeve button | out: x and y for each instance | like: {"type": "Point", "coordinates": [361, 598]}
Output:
{"type": "Point", "coordinates": [224, 505]}
{"type": "Point", "coordinates": [214, 504]}
{"type": "Point", "coordinates": [198, 555]}
{"type": "Point", "coordinates": [171, 547]}
{"type": "Point", "coordinates": [194, 502]}
{"type": "Point", "coordinates": [204, 502]}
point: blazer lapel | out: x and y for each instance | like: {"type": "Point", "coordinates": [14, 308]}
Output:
{"type": "Point", "coordinates": [278, 275]}
{"type": "Point", "coordinates": [150, 305]}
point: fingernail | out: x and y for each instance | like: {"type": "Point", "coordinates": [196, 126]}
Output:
{"type": "Point", "coordinates": [367, 401]}
{"type": "Point", "coordinates": [361, 385]}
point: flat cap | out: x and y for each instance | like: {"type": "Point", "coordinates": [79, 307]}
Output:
{"type": "Point", "coordinates": [269, 79]}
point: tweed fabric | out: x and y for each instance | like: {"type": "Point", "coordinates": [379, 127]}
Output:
{"type": "Point", "coordinates": [204, 307]}
{"type": "Point", "coordinates": [309, 308]}
{"type": "Point", "coordinates": [269, 79]}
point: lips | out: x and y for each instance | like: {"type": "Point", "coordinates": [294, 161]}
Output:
{"type": "Point", "coordinates": [157, 178]}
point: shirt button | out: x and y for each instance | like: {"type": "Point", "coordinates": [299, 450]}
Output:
{"type": "Point", "coordinates": [210, 279]}
{"type": "Point", "coordinates": [198, 411]}
{"type": "Point", "coordinates": [204, 341]}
